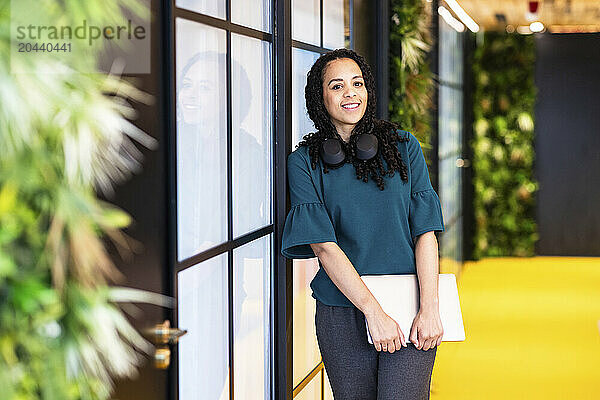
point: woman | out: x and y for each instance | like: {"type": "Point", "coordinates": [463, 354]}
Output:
{"type": "Point", "coordinates": [358, 226]}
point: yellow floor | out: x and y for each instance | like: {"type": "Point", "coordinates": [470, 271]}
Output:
{"type": "Point", "coordinates": [532, 331]}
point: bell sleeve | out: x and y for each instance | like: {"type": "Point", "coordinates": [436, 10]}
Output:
{"type": "Point", "coordinates": [425, 210]}
{"type": "Point", "coordinates": [308, 220]}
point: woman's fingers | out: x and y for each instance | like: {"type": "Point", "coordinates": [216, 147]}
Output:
{"type": "Point", "coordinates": [427, 344]}
{"type": "Point", "coordinates": [391, 346]}
{"type": "Point", "coordinates": [384, 345]}
{"type": "Point", "coordinates": [401, 335]}
{"type": "Point", "coordinates": [385, 338]}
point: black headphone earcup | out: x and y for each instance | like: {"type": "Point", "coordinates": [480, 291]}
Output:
{"type": "Point", "coordinates": [332, 153]}
{"type": "Point", "coordinates": [366, 146]}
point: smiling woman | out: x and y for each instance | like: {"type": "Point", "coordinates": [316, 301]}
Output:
{"type": "Point", "coordinates": [344, 94]}
{"type": "Point", "coordinates": [357, 228]}
{"type": "Point", "coordinates": [336, 81]}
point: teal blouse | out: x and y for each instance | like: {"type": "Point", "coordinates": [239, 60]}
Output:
{"type": "Point", "coordinates": [374, 228]}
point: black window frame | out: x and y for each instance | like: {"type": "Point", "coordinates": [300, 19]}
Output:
{"type": "Point", "coordinates": [281, 317]}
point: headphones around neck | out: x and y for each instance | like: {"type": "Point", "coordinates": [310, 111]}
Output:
{"type": "Point", "coordinates": [333, 155]}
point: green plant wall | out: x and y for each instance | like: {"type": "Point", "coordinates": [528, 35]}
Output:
{"type": "Point", "coordinates": [503, 145]}
{"type": "Point", "coordinates": [411, 80]}
{"type": "Point", "coordinates": [63, 136]}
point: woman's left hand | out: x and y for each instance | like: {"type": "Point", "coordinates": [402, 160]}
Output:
{"type": "Point", "coordinates": [426, 331]}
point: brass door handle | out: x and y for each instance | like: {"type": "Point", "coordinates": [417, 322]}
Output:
{"type": "Point", "coordinates": [462, 162]}
{"type": "Point", "coordinates": [163, 335]}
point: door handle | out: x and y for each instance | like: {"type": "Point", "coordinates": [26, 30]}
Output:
{"type": "Point", "coordinates": [463, 162]}
{"type": "Point", "coordinates": [163, 336]}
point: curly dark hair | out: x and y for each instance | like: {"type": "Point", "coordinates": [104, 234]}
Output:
{"type": "Point", "coordinates": [385, 131]}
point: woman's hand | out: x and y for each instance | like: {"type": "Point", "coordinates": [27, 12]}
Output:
{"type": "Point", "coordinates": [426, 331]}
{"type": "Point", "coordinates": [385, 332]}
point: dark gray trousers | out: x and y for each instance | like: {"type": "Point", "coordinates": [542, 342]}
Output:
{"type": "Point", "coordinates": [357, 371]}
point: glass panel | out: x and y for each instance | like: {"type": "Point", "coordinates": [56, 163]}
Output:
{"type": "Point", "coordinates": [251, 126]}
{"type": "Point", "coordinates": [450, 120]}
{"type": "Point", "coordinates": [444, 101]}
{"type": "Point", "coordinates": [451, 242]}
{"type": "Point", "coordinates": [450, 140]}
{"type": "Point", "coordinates": [306, 348]}
{"type": "Point", "coordinates": [450, 188]}
{"type": "Point", "coordinates": [201, 138]}
{"type": "Point", "coordinates": [203, 311]}
{"type": "Point", "coordinates": [302, 61]}
{"type": "Point", "coordinates": [450, 127]}
{"type": "Point", "coordinates": [451, 61]}
{"type": "Point", "coordinates": [305, 21]}
{"type": "Point", "coordinates": [251, 308]}
{"type": "Point", "coordinates": [214, 8]}
{"type": "Point", "coordinates": [312, 391]}
{"type": "Point", "coordinates": [334, 31]}
{"type": "Point", "coordinates": [252, 13]}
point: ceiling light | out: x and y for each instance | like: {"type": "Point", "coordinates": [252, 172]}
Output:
{"type": "Point", "coordinates": [524, 29]}
{"type": "Point", "coordinates": [536, 26]}
{"type": "Point", "coordinates": [462, 15]}
{"type": "Point", "coordinates": [450, 20]}
{"type": "Point", "coordinates": [574, 28]}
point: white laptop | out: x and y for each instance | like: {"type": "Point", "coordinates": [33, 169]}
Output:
{"type": "Point", "coordinates": [398, 296]}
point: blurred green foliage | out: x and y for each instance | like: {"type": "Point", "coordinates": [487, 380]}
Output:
{"type": "Point", "coordinates": [63, 136]}
{"type": "Point", "coordinates": [503, 145]}
{"type": "Point", "coordinates": [411, 80]}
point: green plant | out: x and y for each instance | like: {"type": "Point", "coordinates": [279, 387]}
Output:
{"type": "Point", "coordinates": [63, 136]}
{"type": "Point", "coordinates": [411, 80]}
{"type": "Point", "coordinates": [503, 145]}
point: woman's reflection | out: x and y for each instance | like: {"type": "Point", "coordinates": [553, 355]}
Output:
{"type": "Point", "coordinates": [202, 215]}
{"type": "Point", "coordinates": [201, 154]}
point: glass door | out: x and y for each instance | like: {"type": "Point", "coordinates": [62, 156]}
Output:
{"type": "Point", "coordinates": [450, 151]}
{"type": "Point", "coordinates": [221, 160]}
{"type": "Point", "coordinates": [223, 108]}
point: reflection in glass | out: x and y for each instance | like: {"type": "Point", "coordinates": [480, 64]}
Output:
{"type": "Point", "coordinates": [251, 127]}
{"type": "Point", "coordinates": [201, 138]}
{"type": "Point", "coordinates": [302, 60]}
{"type": "Point", "coordinates": [203, 311]}
{"type": "Point", "coordinates": [252, 13]}
{"type": "Point", "coordinates": [451, 54]}
{"type": "Point", "coordinates": [450, 187]}
{"type": "Point", "coordinates": [450, 103]}
{"type": "Point", "coordinates": [450, 143]}
{"type": "Point", "coordinates": [252, 347]}
{"type": "Point", "coordinates": [306, 350]}
{"type": "Point", "coordinates": [305, 346]}
{"type": "Point", "coordinates": [334, 31]}
{"type": "Point", "coordinates": [312, 391]}
{"type": "Point", "coordinates": [306, 21]}
{"type": "Point", "coordinates": [214, 8]}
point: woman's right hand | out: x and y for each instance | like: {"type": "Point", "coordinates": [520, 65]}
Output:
{"type": "Point", "coordinates": [385, 332]}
